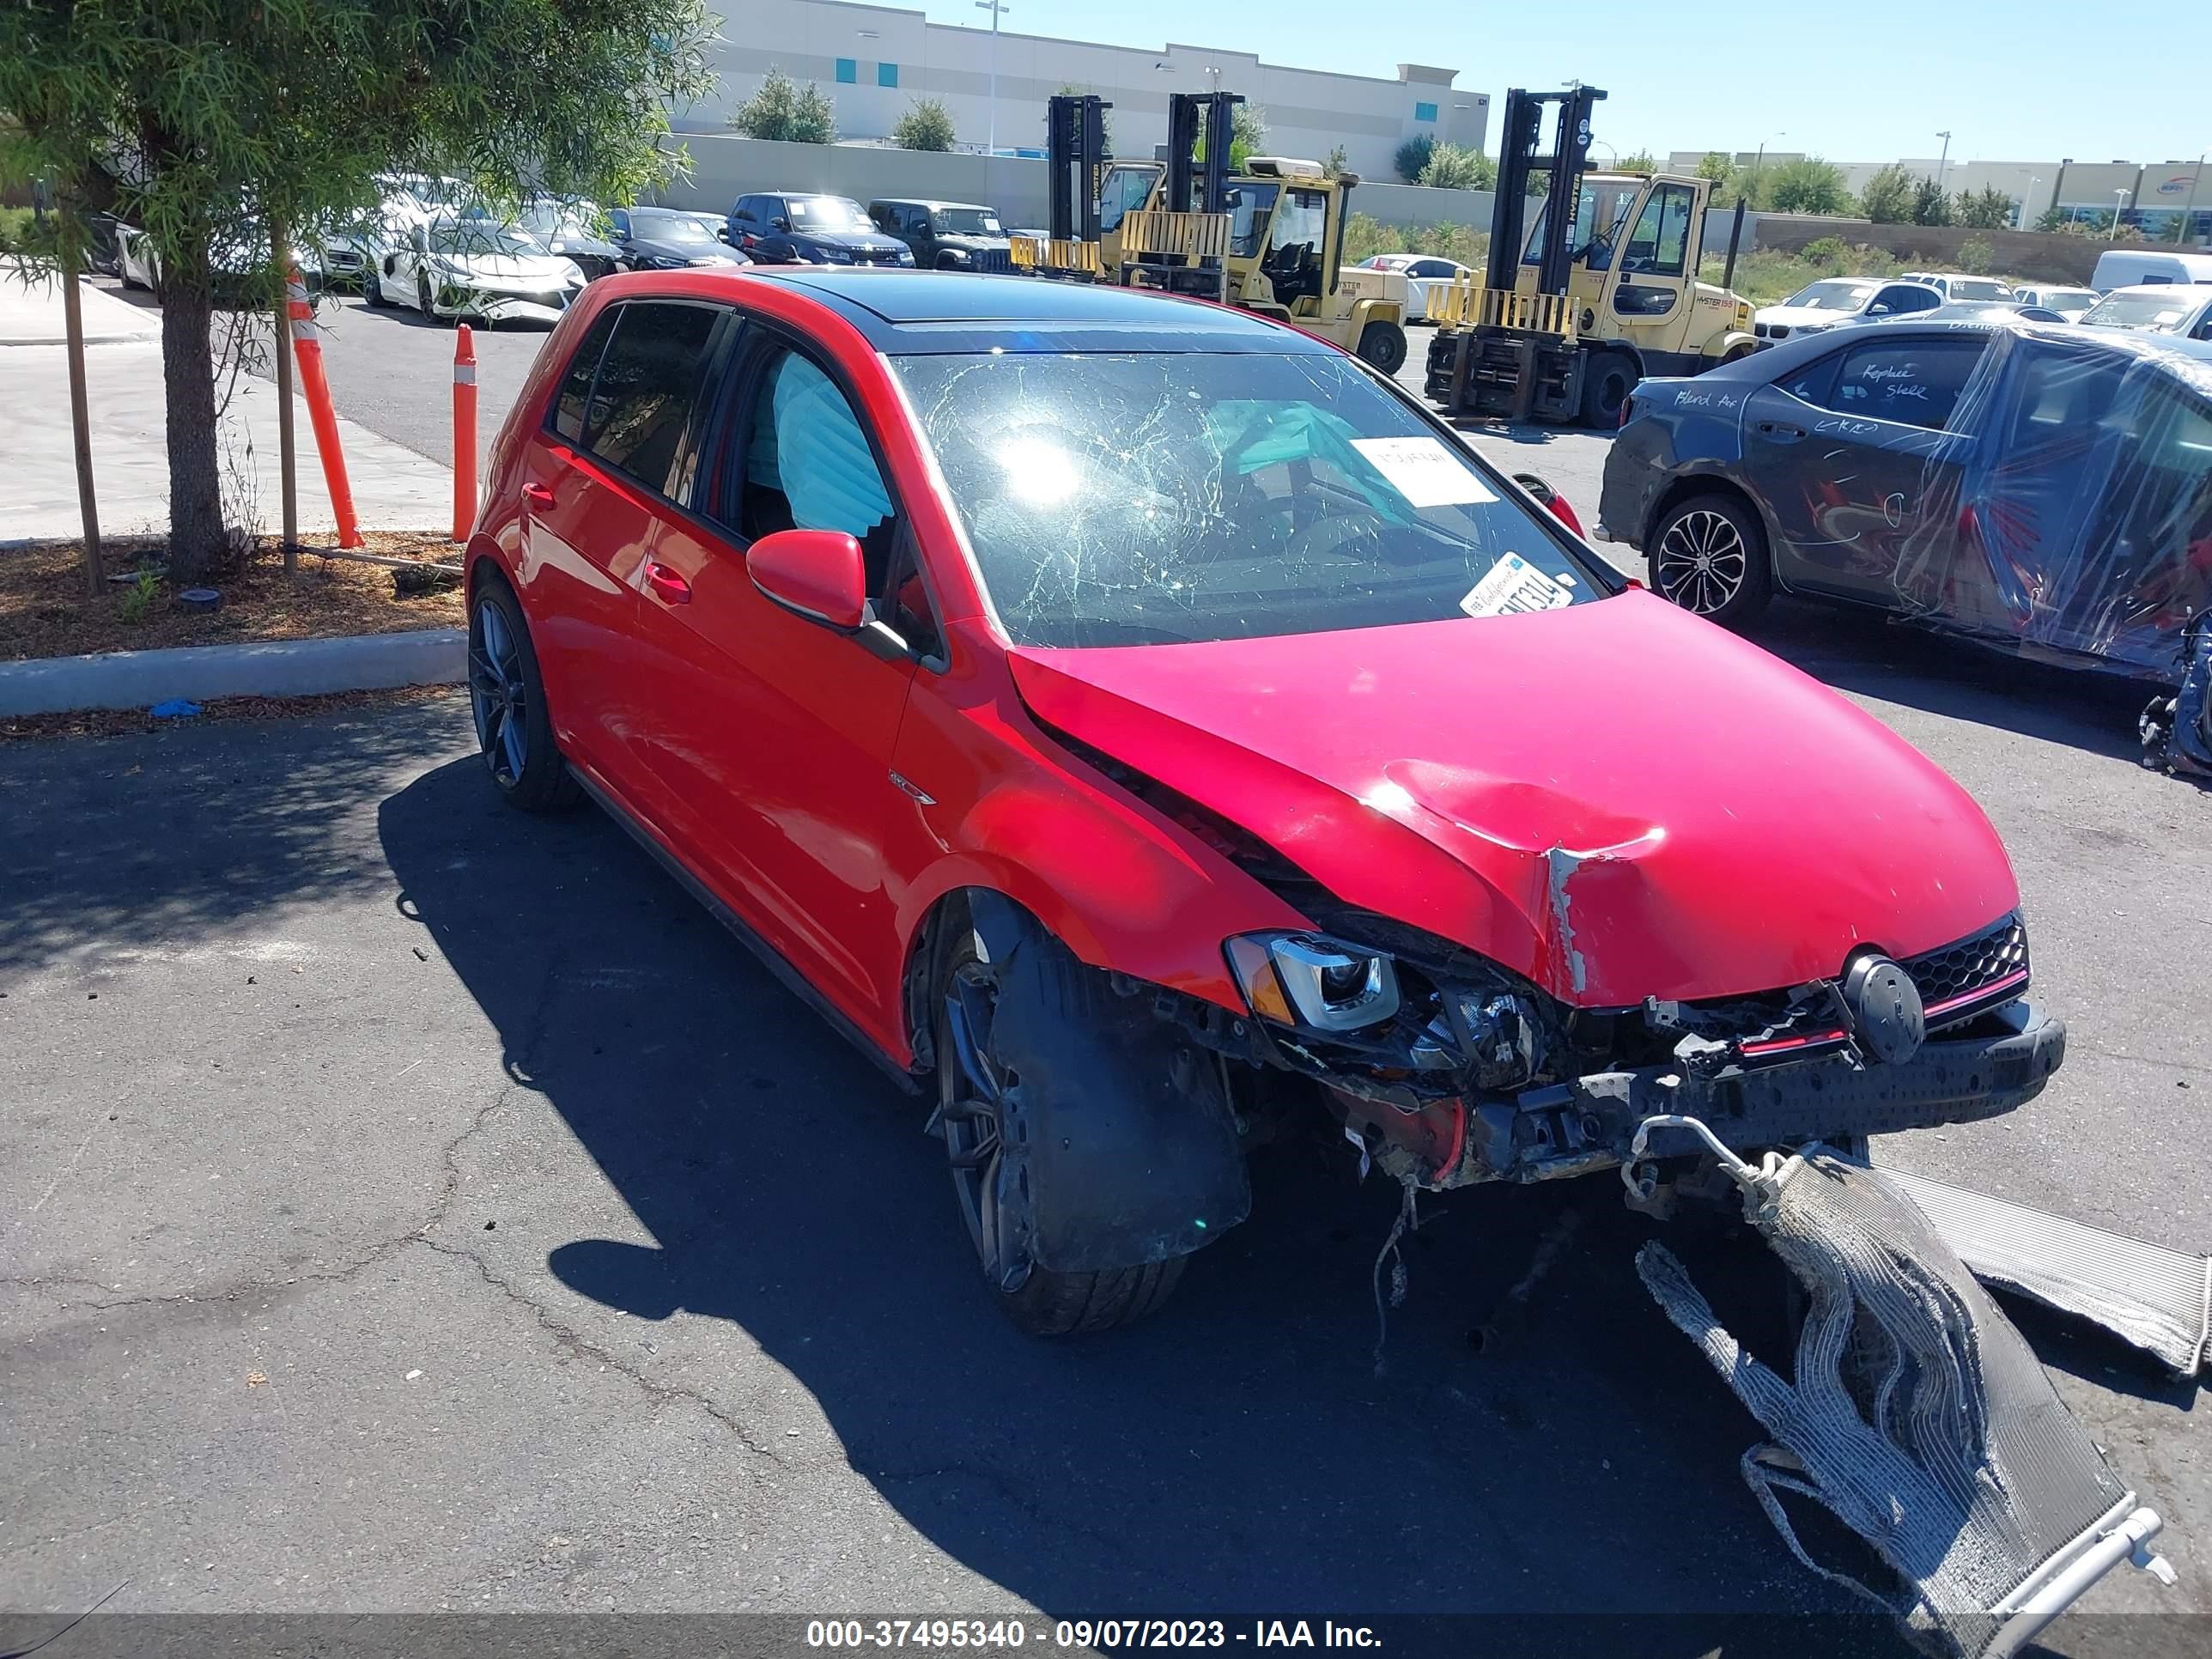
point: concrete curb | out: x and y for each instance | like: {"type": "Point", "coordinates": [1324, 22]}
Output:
{"type": "Point", "coordinates": [262, 668]}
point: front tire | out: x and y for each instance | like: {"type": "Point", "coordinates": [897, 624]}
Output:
{"type": "Point", "coordinates": [506, 696]}
{"type": "Point", "coordinates": [1382, 345]}
{"type": "Point", "coordinates": [1606, 386]}
{"type": "Point", "coordinates": [372, 284]}
{"type": "Point", "coordinates": [973, 1120]}
{"type": "Point", "coordinates": [1708, 554]}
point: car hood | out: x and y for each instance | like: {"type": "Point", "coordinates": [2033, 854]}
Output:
{"type": "Point", "coordinates": [1802, 316]}
{"type": "Point", "coordinates": [1617, 799]}
{"type": "Point", "coordinates": [843, 239]}
{"type": "Point", "coordinates": [541, 271]}
{"type": "Point", "coordinates": [649, 248]}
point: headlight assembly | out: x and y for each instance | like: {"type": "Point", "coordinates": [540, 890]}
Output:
{"type": "Point", "coordinates": [1298, 979]}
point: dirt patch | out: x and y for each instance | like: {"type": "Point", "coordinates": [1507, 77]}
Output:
{"type": "Point", "coordinates": [123, 722]}
{"type": "Point", "coordinates": [44, 610]}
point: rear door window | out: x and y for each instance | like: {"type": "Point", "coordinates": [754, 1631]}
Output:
{"type": "Point", "coordinates": [647, 388]}
{"type": "Point", "coordinates": [575, 394]}
{"type": "Point", "coordinates": [1912, 382]}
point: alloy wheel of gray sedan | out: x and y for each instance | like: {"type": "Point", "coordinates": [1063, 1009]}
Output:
{"type": "Point", "coordinates": [1702, 562]}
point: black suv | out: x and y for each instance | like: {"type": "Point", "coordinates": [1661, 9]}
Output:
{"type": "Point", "coordinates": [801, 228]}
{"type": "Point", "coordinates": [945, 235]}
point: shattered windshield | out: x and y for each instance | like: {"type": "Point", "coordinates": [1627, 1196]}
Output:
{"type": "Point", "coordinates": [1177, 496]}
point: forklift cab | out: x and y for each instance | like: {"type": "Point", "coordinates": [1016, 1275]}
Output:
{"type": "Point", "coordinates": [1283, 231]}
{"type": "Point", "coordinates": [1633, 257]}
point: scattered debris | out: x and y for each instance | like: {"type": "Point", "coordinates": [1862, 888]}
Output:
{"type": "Point", "coordinates": [1918, 1416]}
{"type": "Point", "coordinates": [200, 598]}
{"type": "Point", "coordinates": [174, 708]}
{"type": "Point", "coordinates": [1408, 1220]}
{"type": "Point", "coordinates": [414, 1375]}
{"type": "Point", "coordinates": [2158, 1299]}
{"type": "Point", "coordinates": [255, 1379]}
{"type": "Point", "coordinates": [2176, 731]}
{"type": "Point", "coordinates": [421, 955]}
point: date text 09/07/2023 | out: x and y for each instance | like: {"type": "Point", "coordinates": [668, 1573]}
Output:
{"type": "Point", "coordinates": [989, 1634]}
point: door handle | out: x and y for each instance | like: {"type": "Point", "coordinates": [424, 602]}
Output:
{"type": "Point", "coordinates": [538, 494]}
{"type": "Point", "coordinates": [1781, 431]}
{"type": "Point", "coordinates": [669, 583]}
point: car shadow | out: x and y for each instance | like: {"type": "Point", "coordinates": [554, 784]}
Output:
{"type": "Point", "coordinates": [1564, 1453]}
{"type": "Point", "coordinates": [1864, 652]}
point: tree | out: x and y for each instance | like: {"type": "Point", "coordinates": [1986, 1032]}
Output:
{"type": "Point", "coordinates": [1931, 206]}
{"type": "Point", "coordinates": [1069, 89]}
{"type": "Point", "coordinates": [1451, 167]}
{"type": "Point", "coordinates": [1248, 131]}
{"type": "Point", "coordinates": [781, 109]}
{"type": "Point", "coordinates": [1338, 163]}
{"type": "Point", "coordinates": [1639, 160]}
{"type": "Point", "coordinates": [2053, 219]}
{"type": "Point", "coordinates": [1717, 166]}
{"type": "Point", "coordinates": [1413, 157]}
{"type": "Point", "coordinates": [1987, 209]}
{"type": "Point", "coordinates": [205, 123]}
{"type": "Point", "coordinates": [1976, 257]}
{"type": "Point", "coordinates": [1888, 197]}
{"type": "Point", "coordinates": [1807, 184]}
{"type": "Point", "coordinates": [928, 124]}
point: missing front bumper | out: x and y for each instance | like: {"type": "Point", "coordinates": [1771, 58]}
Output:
{"type": "Point", "coordinates": [1590, 1124]}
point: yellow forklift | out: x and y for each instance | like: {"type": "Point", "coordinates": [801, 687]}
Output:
{"type": "Point", "coordinates": [1269, 239]}
{"type": "Point", "coordinates": [1601, 291]}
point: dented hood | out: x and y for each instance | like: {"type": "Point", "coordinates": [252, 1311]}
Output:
{"type": "Point", "coordinates": [1616, 800]}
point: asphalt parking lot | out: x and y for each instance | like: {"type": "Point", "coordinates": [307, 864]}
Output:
{"type": "Point", "coordinates": [406, 1205]}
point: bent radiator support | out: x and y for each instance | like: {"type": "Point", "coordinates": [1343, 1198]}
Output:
{"type": "Point", "coordinates": [1917, 1415]}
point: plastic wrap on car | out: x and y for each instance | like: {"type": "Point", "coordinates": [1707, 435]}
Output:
{"type": "Point", "coordinates": [2078, 518]}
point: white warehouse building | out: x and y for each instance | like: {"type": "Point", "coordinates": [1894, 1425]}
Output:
{"type": "Point", "coordinates": [876, 61]}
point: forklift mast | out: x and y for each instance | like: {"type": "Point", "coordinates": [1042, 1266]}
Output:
{"type": "Point", "coordinates": [1075, 146]}
{"type": "Point", "coordinates": [1187, 111]}
{"type": "Point", "coordinates": [1518, 160]}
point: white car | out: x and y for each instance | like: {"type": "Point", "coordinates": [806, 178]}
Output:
{"type": "Point", "coordinates": [1959, 284]}
{"type": "Point", "coordinates": [237, 261]}
{"type": "Point", "coordinates": [2155, 308]}
{"type": "Point", "coordinates": [1419, 270]}
{"type": "Point", "coordinates": [472, 268]}
{"type": "Point", "coordinates": [2068, 302]}
{"type": "Point", "coordinates": [1834, 300]}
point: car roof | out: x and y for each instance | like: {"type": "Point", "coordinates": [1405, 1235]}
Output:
{"type": "Point", "coordinates": [2163, 291]}
{"type": "Point", "coordinates": [929, 202]}
{"type": "Point", "coordinates": [904, 311]}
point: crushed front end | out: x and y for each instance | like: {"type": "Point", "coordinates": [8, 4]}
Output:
{"type": "Point", "coordinates": [1451, 1071]}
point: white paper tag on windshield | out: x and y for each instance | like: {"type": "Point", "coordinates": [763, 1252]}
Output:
{"type": "Point", "coordinates": [1512, 585]}
{"type": "Point", "coordinates": [1424, 472]}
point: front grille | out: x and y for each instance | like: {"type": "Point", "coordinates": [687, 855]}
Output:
{"type": "Point", "coordinates": [996, 260]}
{"type": "Point", "coordinates": [1950, 978]}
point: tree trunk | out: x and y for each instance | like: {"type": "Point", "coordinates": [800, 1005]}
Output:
{"type": "Point", "coordinates": [196, 529]}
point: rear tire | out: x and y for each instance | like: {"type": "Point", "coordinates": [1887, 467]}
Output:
{"type": "Point", "coordinates": [1708, 554]}
{"type": "Point", "coordinates": [1382, 345]}
{"type": "Point", "coordinates": [1607, 381]}
{"type": "Point", "coordinates": [971, 1084]}
{"type": "Point", "coordinates": [506, 696]}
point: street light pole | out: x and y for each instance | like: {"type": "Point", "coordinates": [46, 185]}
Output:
{"type": "Point", "coordinates": [2033, 179]}
{"type": "Point", "coordinates": [1944, 160]}
{"type": "Point", "coordinates": [996, 8]}
{"type": "Point", "coordinates": [2119, 206]}
{"type": "Point", "coordinates": [2189, 213]}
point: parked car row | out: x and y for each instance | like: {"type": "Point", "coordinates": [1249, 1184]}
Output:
{"type": "Point", "coordinates": [811, 228]}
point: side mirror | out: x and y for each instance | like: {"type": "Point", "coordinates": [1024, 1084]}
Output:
{"type": "Point", "coordinates": [779, 223]}
{"type": "Point", "coordinates": [816, 573]}
{"type": "Point", "coordinates": [1880, 309]}
{"type": "Point", "coordinates": [419, 240]}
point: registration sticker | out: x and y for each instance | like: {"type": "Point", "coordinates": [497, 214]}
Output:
{"type": "Point", "coordinates": [1515, 584]}
{"type": "Point", "coordinates": [1424, 472]}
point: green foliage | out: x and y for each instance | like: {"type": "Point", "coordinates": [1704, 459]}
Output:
{"type": "Point", "coordinates": [1338, 161]}
{"type": "Point", "coordinates": [1767, 275]}
{"type": "Point", "coordinates": [21, 232]}
{"type": "Point", "coordinates": [1413, 157]}
{"type": "Point", "coordinates": [1931, 206]}
{"type": "Point", "coordinates": [1364, 237]}
{"type": "Point", "coordinates": [928, 124]}
{"type": "Point", "coordinates": [1807, 184]}
{"type": "Point", "coordinates": [1887, 198]}
{"type": "Point", "coordinates": [1825, 251]}
{"type": "Point", "coordinates": [1717, 166]}
{"type": "Point", "coordinates": [1451, 167]}
{"type": "Point", "coordinates": [1639, 160]}
{"type": "Point", "coordinates": [2053, 219]}
{"type": "Point", "coordinates": [1976, 257]}
{"type": "Point", "coordinates": [138, 601]}
{"type": "Point", "coordinates": [203, 122]}
{"type": "Point", "coordinates": [1987, 209]}
{"type": "Point", "coordinates": [1247, 132]}
{"type": "Point", "coordinates": [781, 109]}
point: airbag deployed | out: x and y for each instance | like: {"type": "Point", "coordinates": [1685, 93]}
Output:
{"type": "Point", "coordinates": [1918, 1416]}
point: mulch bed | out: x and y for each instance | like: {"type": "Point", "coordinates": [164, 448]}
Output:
{"type": "Point", "coordinates": [45, 613]}
{"type": "Point", "coordinates": [123, 722]}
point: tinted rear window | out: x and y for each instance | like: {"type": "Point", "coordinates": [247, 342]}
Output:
{"type": "Point", "coordinates": [647, 386]}
{"type": "Point", "coordinates": [576, 384]}
{"type": "Point", "coordinates": [1915, 383]}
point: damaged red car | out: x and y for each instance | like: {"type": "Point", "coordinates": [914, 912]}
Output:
{"type": "Point", "coordinates": [1145, 729]}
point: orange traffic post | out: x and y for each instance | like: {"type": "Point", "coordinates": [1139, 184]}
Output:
{"type": "Point", "coordinates": [320, 411]}
{"type": "Point", "coordinates": [465, 432]}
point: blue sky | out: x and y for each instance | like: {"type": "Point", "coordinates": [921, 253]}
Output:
{"type": "Point", "coordinates": [2028, 81]}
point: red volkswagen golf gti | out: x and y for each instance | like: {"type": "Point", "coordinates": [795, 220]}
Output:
{"type": "Point", "coordinates": [1141, 728]}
